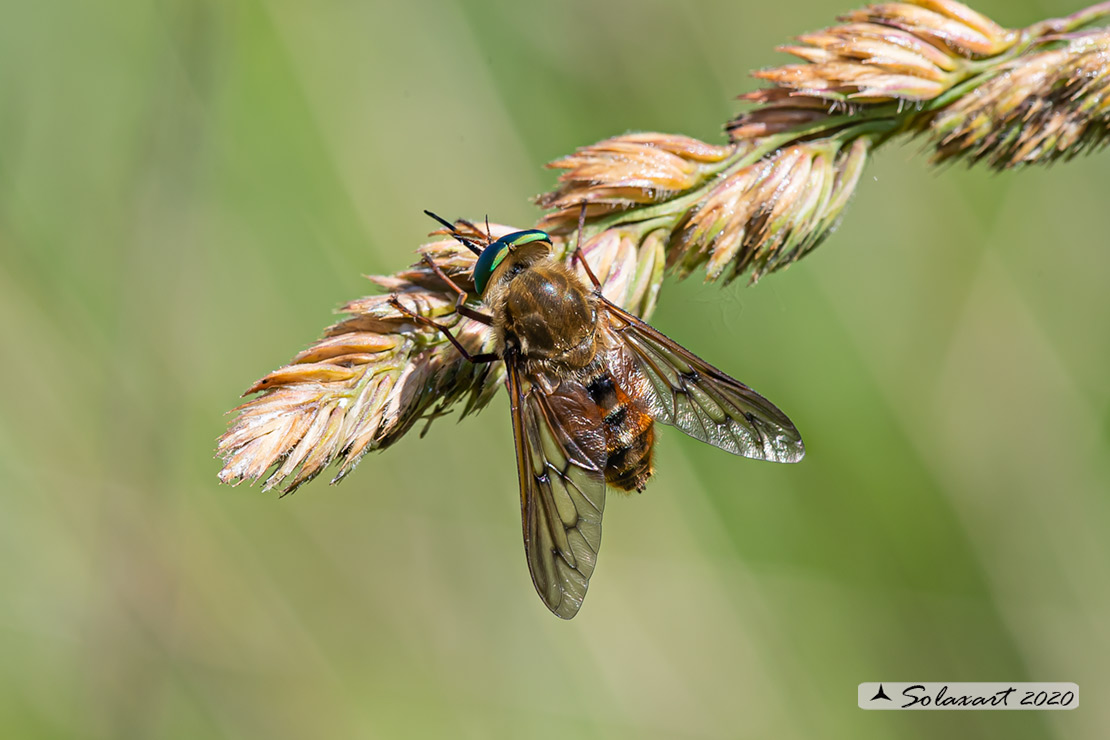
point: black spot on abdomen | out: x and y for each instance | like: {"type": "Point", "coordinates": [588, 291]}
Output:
{"type": "Point", "coordinates": [616, 417]}
{"type": "Point", "coordinates": [602, 391]}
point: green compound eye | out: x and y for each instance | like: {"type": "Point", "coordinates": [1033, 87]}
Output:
{"type": "Point", "coordinates": [492, 255]}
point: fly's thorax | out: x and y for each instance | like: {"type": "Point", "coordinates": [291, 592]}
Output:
{"type": "Point", "coordinates": [544, 311]}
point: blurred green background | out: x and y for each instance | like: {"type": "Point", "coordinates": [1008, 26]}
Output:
{"type": "Point", "coordinates": [188, 188]}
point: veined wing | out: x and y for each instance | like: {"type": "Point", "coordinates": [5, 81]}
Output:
{"type": "Point", "coordinates": [560, 453]}
{"type": "Point", "coordinates": [686, 392]}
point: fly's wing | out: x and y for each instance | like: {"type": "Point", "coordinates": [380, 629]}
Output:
{"type": "Point", "coordinates": [560, 453]}
{"type": "Point", "coordinates": [684, 391]}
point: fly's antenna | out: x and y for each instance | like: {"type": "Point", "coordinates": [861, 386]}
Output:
{"type": "Point", "coordinates": [455, 233]}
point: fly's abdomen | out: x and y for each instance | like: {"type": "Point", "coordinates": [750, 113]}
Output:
{"type": "Point", "coordinates": [629, 434]}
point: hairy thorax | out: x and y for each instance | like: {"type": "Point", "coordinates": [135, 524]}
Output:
{"type": "Point", "coordinates": [549, 317]}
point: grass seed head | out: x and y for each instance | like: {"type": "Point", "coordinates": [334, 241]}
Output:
{"type": "Point", "coordinates": [980, 92]}
{"type": "Point", "coordinates": [1038, 109]}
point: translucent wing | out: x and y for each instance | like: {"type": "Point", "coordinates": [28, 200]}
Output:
{"type": "Point", "coordinates": [560, 452]}
{"type": "Point", "coordinates": [680, 389]}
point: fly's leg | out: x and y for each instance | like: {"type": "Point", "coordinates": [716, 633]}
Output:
{"type": "Point", "coordinates": [420, 319]}
{"type": "Point", "coordinates": [578, 256]}
{"type": "Point", "coordinates": [460, 303]}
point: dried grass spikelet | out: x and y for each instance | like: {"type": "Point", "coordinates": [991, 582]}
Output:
{"type": "Point", "coordinates": [375, 374]}
{"type": "Point", "coordinates": [771, 213]}
{"type": "Point", "coordinates": [909, 52]}
{"type": "Point", "coordinates": [781, 111]}
{"type": "Point", "coordinates": [945, 23]}
{"type": "Point", "coordinates": [629, 262]}
{"type": "Point", "coordinates": [626, 172]}
{"type": "Point", "coordinates": [1039, 108]}
{"type": "Point", "coordinates": [365, 383]}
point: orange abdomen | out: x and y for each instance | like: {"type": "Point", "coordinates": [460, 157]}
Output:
{"type": "Point", "coordinates": [629, 434]}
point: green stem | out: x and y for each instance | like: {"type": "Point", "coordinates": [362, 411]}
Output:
{"type": "Point", "coordinates": [1072, 22]}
